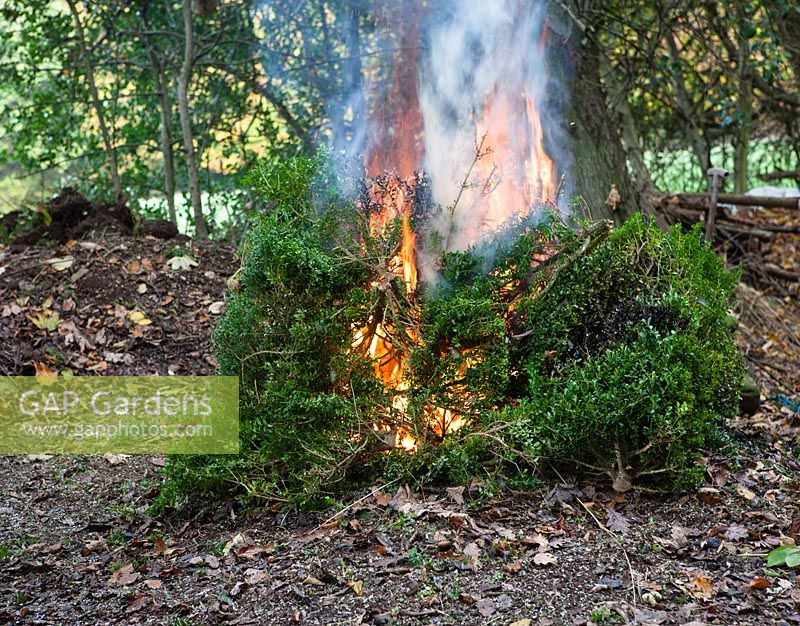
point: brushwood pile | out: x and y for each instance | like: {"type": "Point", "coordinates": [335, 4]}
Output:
{"type": "Point", "coordinates": [580, 351]}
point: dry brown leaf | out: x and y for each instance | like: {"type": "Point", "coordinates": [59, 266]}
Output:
{"type": "Point", "coordinates": [60, 264]}
{"type": "Point", "coordinates": [679, 536]}
{"type": "Point", "coordinates": [759, 583]}
{"type": "Point", "coordinates": [181, 263]}
{"type": "Point", "coordinates": [357, 586]}
{"type": "Point", "coordinates": [253, 576]}
{"type": "Point", "coordinates": [456, 494]}
{"type": "Point", "coordinates": [473, 552]}
{"type": "Point", "coordinates": [123, 576]}
{"type": "Point", "coordinates": [160, 546]}
{"type": "Point", "coordinates": [96, 545]}
{"type": "Point", "coordinates": [537, 539]}
{"type": "Point", "coordinates": [545, 558]}
{"type": "Point", "coordinates": [137, 317]}
{"type": "Point", "coordinates": [700, 586]}
{"type": "Point", "coordinates": [736, 532]}
{"type": "Point", "coordinates": [617, 522]}
{"type": "Point", "coordinates": [744, 492]}
{"type": "Point", "coordinates": [382, 498]}
{"type": "Point", "coordinates": [236, 540]}
{"type": "Point", "coordinates": [251, 552]}
{"type": "Point", "coordinates": [486, 607]}
{"type": "Point", "coordinates": [115, 459]}
{"type": "Point", "coordinates": [153, 583]}
{"type": "Point", "coordinates": [42, 371]}
{"type": "Point", "coordinates": [137, 603]}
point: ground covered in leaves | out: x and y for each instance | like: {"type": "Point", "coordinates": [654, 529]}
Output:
{"type": "Point", "coordinates": [78, 546]}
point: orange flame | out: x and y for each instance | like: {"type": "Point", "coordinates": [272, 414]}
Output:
{"type": "Point", "coordinates": [512, 174]}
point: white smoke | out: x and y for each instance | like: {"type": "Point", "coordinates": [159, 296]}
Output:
{"type": "Point", "coordinates": [481, 56]}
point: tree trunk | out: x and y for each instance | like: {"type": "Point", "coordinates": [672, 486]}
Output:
{"type": "Point", "coordinates": [186, 127]}
{"type": "Point", "coordinates": [349, 115]}
{"type": "Point", "coordinates": [166, 127]}
{"type": "Point", "coordinates": [111, 154]}
{"type": "Point", "coordinates": [597, 160]}
{"type": "Point", "coordinates": [745, 105]}
{"type": "Point", "coordinates": [646, 190]}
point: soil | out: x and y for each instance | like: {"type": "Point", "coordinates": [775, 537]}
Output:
{"type": "Point", "coordinates": [70, 215]}
{"type": "Point", "coordinates": [78, 544]}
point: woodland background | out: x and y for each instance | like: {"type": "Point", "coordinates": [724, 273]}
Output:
{"type": "Point", "coordinates": [107, 95]}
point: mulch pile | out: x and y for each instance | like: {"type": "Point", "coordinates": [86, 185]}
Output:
{"type": "Point", "coordinates": [70, 215]}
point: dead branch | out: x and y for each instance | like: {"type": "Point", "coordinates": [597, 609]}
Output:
{"type": "Point", "coordinates": [700, 200]}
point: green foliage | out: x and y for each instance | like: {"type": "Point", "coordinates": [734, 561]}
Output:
{"type": "Point", "coordinates": [612, 352]}
{"type": "Point", "coordinates": [784, 555]}
{"type": "Point", "coordinates": [602, 616]}
{"type": "Point", "coordinates": [302, 395]}
{"type": "Point", "coordinates": [47, 118]}
{"type": "Point", "coordinates": [629, 362]}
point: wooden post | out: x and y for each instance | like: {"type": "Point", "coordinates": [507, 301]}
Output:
{"type": "Point", "coordinates": [715, 177]}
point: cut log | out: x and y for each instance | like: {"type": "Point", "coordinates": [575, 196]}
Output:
{"type": "Point", "coordinates": [782, 175]}
{"type": "Point", "coordinates": [700, 200]}
{"type": "Point", "coordinates": [726, 225]}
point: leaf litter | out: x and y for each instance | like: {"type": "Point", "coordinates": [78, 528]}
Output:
{"type": "Point", "coordinates": [459, 555]}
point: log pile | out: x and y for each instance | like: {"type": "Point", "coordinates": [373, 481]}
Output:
{"type": "Point", "coordinates": [761, 234]}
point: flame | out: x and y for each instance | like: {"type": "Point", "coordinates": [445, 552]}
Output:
{"type": "Point", "coordinates": [379, 338]}
{"type": "Point", "coordinates": [396, 205]}
{"type": "Point", "coordinates": [512, 174]}
{"type": "Point", "coordinates": [513, 170]}
{"type": "Point", "coordinates": [397, 118]}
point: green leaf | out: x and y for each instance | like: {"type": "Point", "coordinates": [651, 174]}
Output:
{"type": "Point", "coordinates": [778, 556]}
{"type": "Point", "coordinates": [793, 557]}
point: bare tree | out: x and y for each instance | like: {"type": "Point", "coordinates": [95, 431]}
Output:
{"type": "Point", "coordinates": [161, 84]}
{"type": "Point", "coordinates": [88, 65]}
{"type": "Point", "coordinates": [184, 79]}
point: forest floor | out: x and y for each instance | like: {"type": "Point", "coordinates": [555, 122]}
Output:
{"type": "Point", "coordinates": [78, 545]}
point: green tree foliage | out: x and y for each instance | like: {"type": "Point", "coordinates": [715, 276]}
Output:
{"type": "Point", "coordinates": [611, 353]}
{"type": "Point", "coordinates": [47, 119]}
{"type": "Point", "coordinates": [707, 78]}
{"type": "Point", "coordinates": [715, 82]}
